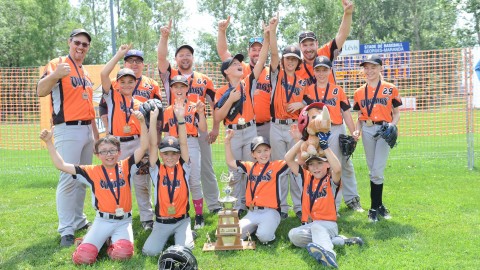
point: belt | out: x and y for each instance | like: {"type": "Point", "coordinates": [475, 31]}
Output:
{"type": "Point", "coordinates": [78, 123]}
{"type": "Point", "coordinates": [113, 216]}
{"type": "Point", "coordinates": [261, 124]}
{"type": "Point", "coordinates": [239, 127]}
{"type": "Point", "coordinates": [284, 121]}
{"type": "Point", "coordinates": [377, 122]}
{"type": "Point", "coordinates": [170, 220]}
{"type": "Point", "coordinates": [192, 136]}
{"type": "Point", "coordinates": [127, 139]}
{"type": "Point", "coordinates": [257, 208]}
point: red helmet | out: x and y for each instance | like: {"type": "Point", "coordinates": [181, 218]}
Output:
{"type": "Point", "coordinates": [303, 117]}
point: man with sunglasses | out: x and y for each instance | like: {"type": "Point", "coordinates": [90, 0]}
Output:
{"type": "Point", "coordinates": [309, 46]}
{"type": "Point", "coordinates": [263, 88]}
{"type": "Point", "coordinates": [73, 115]}
{"type": "Point", "coordinates": [200, 88]}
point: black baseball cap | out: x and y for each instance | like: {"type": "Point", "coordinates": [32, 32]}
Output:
{"type": "Point", "coordinates": [254, 40]}
{"type": "Point", "coordinates": [169, 144]}
{"type": "Point", "coordinates": [257, 141]}
{"type": "Point", "coordinates": [306, 35]}
{"type": "Point", "coordinates": [80, 31]}
{"type": "Point", "coordinates": [125, 72]}
{"type": "Point", "coordinates": [373, 59]}
{"type": "Point", "coordinates": [292, 50]}
{"type": "Point", "coordinates": [179, 79]}
{"type": "Point", "coordinates": [312, 157]}
{"type": "Point", "coordinates": [322, 61]}
{"type": "Point", "coordinates": [228, 62]}
{"type": "Point", "coordinates": [190, 48]}
{"type": "Point", "coordinates": [131, 53]}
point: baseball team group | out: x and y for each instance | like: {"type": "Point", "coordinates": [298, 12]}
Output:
{"type": "Point", "coordinates": [161, 149]}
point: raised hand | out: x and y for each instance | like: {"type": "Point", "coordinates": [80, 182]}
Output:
{"type": "Point", "coordinates": [62, 70]}
{"type": "Point", "coordinates": [165, 30]}
{"type": "Point", "coordinates": [46, 135]}
{"type": "Point", "coordinates": [347, 6]}
{"type": "Point", "coordinates": [179, 108]}
{"type": "Point", "coordinates": [274, 21]}
{"type": "Point", "coordinates": [295, 133]}
{"type": "Point", "coordinates": [323, 137]}
{"type": "Point", "coordinates": [138, 115]}
{"type": "Point", "coordinates": [200, 106]}
{"type": "Point", "coordinates": [124, 48]}
{"type": "Point", "coordinates": [223, 24]}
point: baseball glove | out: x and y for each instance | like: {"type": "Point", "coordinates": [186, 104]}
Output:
{"type": "Point", "coordinates": [149, 106]}
{"type": "Point", "coordinates": [347, 145]}
{"type": "Point", "coordinates": [389, 133]}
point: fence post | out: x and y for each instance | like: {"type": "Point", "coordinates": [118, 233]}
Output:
{"type": "Point", "coordinates": [468, 83]}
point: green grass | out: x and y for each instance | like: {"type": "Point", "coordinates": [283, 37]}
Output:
{"type": "Point", "coordinates": [433, 201]}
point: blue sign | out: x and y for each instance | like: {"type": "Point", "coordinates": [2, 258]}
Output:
{"type": "Point", "coordinates": [385, 47]}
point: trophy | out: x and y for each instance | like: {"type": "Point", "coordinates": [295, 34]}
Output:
{"type": "Point", "coordinates": [228, 231]}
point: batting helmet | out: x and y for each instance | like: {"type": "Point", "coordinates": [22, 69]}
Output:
{"type": "Point", "coordinates": [177, 258]}
{"type": "Point", "coordinates": [303, 117]}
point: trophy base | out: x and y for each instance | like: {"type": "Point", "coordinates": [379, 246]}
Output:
{"type": "Point", "coordinates": [244, 245]}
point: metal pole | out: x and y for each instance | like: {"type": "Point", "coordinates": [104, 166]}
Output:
{"type": "Point", "coordinates": [112, 26]}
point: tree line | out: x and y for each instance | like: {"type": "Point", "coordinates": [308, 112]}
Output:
{"type": "Point", "coordinates": [33, 32]}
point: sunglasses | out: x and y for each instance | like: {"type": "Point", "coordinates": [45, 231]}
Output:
{"type": "Point", "coordinates": [255, 39]}
{"type": "Point", "coordinates": [134, 61]}
{"type": "Point", "coordinates": [307, 35]}
{"type": "Point", "coordinates": [78, 43]}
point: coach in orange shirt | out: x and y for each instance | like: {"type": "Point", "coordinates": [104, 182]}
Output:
{"type": "Point", "coordinates": [309, 45]}
{"type": "Point", "coordinates": [74, 118]}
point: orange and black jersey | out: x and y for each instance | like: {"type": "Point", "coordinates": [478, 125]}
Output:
{"type": "Point", "coordinates": [318, 200]}
{"type": "Point", "coordinates": [146, 88]}
{"type": "Point", "coordinates": [200, 85]}
{"type": "Point", "coordinates": [191, 120]}
{"type": "Point", "coordinates": [377, 102]}
{"type": "Point", "coordinates": [285, 90]}
{"type": "Point", "coordinates": [245, 87]}
{"type": "Point", "coordinates": [119, 112]}
{"type": "Point", "coordinates": [171, 189]}
{"type": "Point", "coordinates": [106, 192]}
{"type": "Point", "coordinates": [263, 182]}
{"type": "Point", "coordinates": [262, 96]}
{"type": "Point", "coordinates": [333, 96]}
{"type": "Point", "coordinates": [306, 73]}
{"type": "Point", "coordinates": [71, 97]}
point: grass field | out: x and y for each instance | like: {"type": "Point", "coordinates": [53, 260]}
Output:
{"type": "Point", "coordinates": [433, 201]}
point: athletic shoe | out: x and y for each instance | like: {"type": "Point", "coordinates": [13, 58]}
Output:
{"type": "Point", "coordinates": [241, 213]}
{"type": "Point", "coordinates": [299, 214]}
{"type": "Point", "coordinates": [67, 240]}
{"type": "Point", "coordinates": [372, 215]}
{"type": "Point", "coordinates": [85, 227]}
{"type": "Point", "coordinates": [354, 204]}
{"type": "Point", "coordinates": [383, 211]}
{"type": "Point", "coordinates": [321, 255]}
{"type": "Point", "coordinates": [215, 211]}
{"type": "Point", "coordinates": [194, 235]}
{"type": "Point", "coordinates": [147, 225]}
{"type": "Point", "coordinates": [354, 241]}
{"type": "Point", "coordinates": [199, 222]}
{"type": "Point", "coordinates": [283, 215]}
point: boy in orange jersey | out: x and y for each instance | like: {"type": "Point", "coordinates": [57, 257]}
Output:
{"type": "Point", "coordinates": [125, 128]}
{"type": "Point", "coordinates": [234, 105]}
{"type": "Point", "coordinates": [171, 187]}
{"type": "Point", "coordinates": [287, 102]}
{"type": "Point", "coordinates": [320, 176]}
{"type": "Point", "coordinates": [111, 194]}
{"type": "Point", "coordinates": [338, 104]}
{"type": "Point", "coordinates": [263, 188]}
{"type": "Point", "coordinates": [195, 122]}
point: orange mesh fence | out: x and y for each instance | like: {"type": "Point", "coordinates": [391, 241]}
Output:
{"type": "Point", "coordinates": [437, 116]}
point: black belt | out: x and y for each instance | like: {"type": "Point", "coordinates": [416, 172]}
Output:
{"type": "Point", "coordinates": [258, 208]}
{"type": "Point", "coordinates": [78, 123]}
{"type": "Point", "coordinates": [239, 127]}
{"type": "Point", "coordinates": [170, 220]}
{"type": "Point", "coordinates": [192, 136]}
{"type": "Point", "coordinates": [377, 122]}
{"type": "Point", "coordinates": [113, 216]}
{"type": "Point", "coordinates": [127, 139]}
{"type": "Point", "coordinates": [284, 121]}
{"type": "Point", "coordinates": [261, 124]}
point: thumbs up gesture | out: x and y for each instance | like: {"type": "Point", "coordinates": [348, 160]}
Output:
{"type": "Point", "coordinates": [62, 70]}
